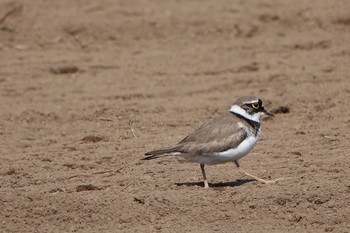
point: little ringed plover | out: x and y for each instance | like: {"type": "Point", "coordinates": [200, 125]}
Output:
{"type": "Point", "coordinates": [226, 138]}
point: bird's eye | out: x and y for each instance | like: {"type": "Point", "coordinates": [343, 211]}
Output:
{"type": "Point", "coordinates": [255, 106]}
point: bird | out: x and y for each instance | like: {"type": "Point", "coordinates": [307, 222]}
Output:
{"type": "Point", "coordinates": [225, 138]}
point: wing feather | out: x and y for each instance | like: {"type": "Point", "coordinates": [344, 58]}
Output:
{"type": "Point", "coordinates": [220, 134]}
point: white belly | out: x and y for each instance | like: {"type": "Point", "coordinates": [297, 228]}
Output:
{"type": "Point", "coordinates": [230, 155]}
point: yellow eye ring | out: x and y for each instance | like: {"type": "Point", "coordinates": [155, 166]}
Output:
{"type": "Point", "coordinates": [255, 106]}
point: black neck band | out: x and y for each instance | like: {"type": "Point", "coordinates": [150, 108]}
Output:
{"type": "Point", "coordinates": [254, 124]}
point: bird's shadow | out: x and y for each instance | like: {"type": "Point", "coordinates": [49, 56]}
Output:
{"type": "Point", "coordinates": [217, 185]}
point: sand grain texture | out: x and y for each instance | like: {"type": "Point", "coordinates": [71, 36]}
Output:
{"type": "Point", "coordinates": [87, 87]}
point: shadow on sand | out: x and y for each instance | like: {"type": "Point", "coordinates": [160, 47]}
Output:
{"type": "Point", "coordinates": [217, 185]}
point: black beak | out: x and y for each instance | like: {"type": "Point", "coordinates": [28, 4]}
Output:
{"type": "Point", "coordinates": [268, 113]}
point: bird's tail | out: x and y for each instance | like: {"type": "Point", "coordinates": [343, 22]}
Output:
{"type": "Point", "coordinates": [161, 152]}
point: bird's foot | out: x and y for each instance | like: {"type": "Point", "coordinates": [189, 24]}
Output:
{"type": "Point", "coordinates": [270, 181]}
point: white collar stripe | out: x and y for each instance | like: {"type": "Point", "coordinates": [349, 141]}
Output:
{"type": "Point", "coordinates": [240, 111]}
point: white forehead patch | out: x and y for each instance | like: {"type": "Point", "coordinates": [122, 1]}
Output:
{"type": "Point", "coordinates": [252, 101]}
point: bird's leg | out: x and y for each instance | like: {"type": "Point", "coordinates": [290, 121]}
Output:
{"type": "Point", "coordinates": [255, 177]}
{"type": "Point", "coordinates": [204, 176]}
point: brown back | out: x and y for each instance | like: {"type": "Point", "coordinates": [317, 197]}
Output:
{"type": "Point", "coordinates": [219, 134]}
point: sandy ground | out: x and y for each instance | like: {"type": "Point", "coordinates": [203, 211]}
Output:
{"type": "Point", "coordinates": [87, 87]}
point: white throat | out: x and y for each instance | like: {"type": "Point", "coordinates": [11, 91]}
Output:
{"type": "Point", "coordinates": [240, 111]}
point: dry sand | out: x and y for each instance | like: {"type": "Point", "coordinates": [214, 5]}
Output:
{"type": "Point", "coordinates": [87, 87]}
